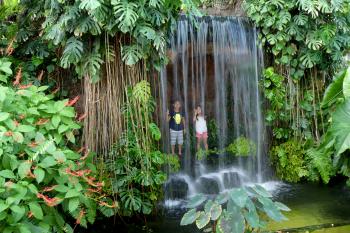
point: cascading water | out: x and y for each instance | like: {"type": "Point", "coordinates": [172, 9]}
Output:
{"type": "Point", "coordinates": [215, 63]}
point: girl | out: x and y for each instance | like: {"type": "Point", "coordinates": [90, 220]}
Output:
{"type": "Point", "coordinates": [201, 128]}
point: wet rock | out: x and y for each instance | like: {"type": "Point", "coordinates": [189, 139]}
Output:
{"type": "Point", "coordinates": [208, 185]}
{"type": "Point", "coordinates": [176, 188]}
{"type": "Point", "coordinates": [231, 179]}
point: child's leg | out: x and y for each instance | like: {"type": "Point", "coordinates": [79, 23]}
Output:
{"type": "Point", "coordinates": [205, 141]}
{"type": "Point", "coordinates": [198, 144]}
{"type": "Point", "coordinates": [172, 141]}
{"type": "Point", "coordinates": [180, 141]}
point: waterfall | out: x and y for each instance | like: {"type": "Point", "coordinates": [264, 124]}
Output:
{"type": "Point", "coordinates": [216, 63]}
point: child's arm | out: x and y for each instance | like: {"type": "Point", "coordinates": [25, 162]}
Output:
{"type": "Point", "coordinates": [194, 116]}
{"type": "Point", "coordinates": [168, 115]}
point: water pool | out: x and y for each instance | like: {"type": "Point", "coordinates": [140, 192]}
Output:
{"type": "Point", "coordinates": [314, 209]}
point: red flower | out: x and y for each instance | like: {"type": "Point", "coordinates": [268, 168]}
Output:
{"type": "Point", "coordinates": [42, 121]}
{"type": "Point", "coordinates": [48, 200]}
{"type": "Point", "coordinates": [18, 77]}
{"type": "Point", "coordinates": [73, 101]}
{"type": "Point", "coordinates": [8, 133]}
{"type": "Point", "coordinates": [49, 189]}
{"type": "Point", "coordinates": [81, 117]}
{"type": "Point", "coordinates": [80, 216]}
{"type": "Point", "coordinates": [25, 86]}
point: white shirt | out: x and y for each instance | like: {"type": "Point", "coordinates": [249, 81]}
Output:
{"type": "Point", "coordinates": [201, 125]}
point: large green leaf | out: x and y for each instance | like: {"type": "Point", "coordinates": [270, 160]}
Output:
{"type": "Point", "coordinates": [7, 174]}
{"type": "Point", "coordinates": [346, 84]}
{"type": "Point", "coordinates": [4, 116]}
{"type": "Point", "coordinates": [73, 204]}
{"type": "Point", "coordinates": [39, 174]}
{"type": "Point", "coordinates": [202, 220]}
{"type": "Point", "coordinates": [35, 208]}
{"type": "Point", "coordinates": [239, 196]}
{"type": "Point", "coordinates": [189, 217]}
{"type": "Point", "coordinates": [261, 191]}
{"type": "Point", "coordinates": [334, 90]}
{"type": "Point", "coordinates": [340, 128]}
{"type": "Point", "coordinates": [216, 211]}
{"type": "Point", "coordinates": [24, 169]}
{"type": "Point", "coordinates": [196, 201]}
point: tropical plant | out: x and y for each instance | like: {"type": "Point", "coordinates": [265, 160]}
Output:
{"type": "Point", "coordinates": [135, 160]}
{"type": "Point", "coordinates": [306, 41]}
{"type": "Point", "coordinates": [41, 176]}
{"type": "Point", "coordinates": [331, 154]}
{"type": "Point", "coordinates": [244, 211]}
{"type": "Point", "coordinates": [78, 29]}
{"type": "Point", "coordinates": [289, 161]}
{"type": "Point", "coordinates": [242, 146]}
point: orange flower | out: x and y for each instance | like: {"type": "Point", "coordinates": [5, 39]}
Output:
{"type": "Point", "coordinates": [25, 86]}
{"type": "Point", "coordinates": [30, 214]}
{"type": "Point", "coordinates": [55, 91]}
{"type": "Point", "coordinates": [49, 189]}
{"type": "Point", "coordinates": [9, 49]}
{"type": "Point", "coordinates": [80, 216]}
{"type": "Point", "coordinates": [48, 200]}
{"type": "Point", "coordinates": [42, 121]}
{"type": "Point", "coordinates": [82, 117]}
{"type": "Point", "coordinates": [32, 144]}
{"type": "Point", "coordinates": [8, 133]}
{"type": "Point", "coordinates": [18, 77]}
{"type": "Point", "coordinates": [73, 101]}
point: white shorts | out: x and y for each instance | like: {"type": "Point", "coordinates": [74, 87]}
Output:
{"type": "Point", "coordinates": [176, 136]}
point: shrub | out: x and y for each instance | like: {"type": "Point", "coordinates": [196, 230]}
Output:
{"type": "Point", "coordinates": [41, 178]}
{"type": "Point", "coordinates": [289, 160]}
{"type": "Point", "coordinates": [242, 146]}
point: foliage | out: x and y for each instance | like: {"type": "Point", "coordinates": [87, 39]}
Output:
{"type": "Point", "coordinates": [242, 146]}
{"type": "Point", "coordinates": [78, 29]}
{"type": "Point", "coordinates": [303, 34]}
{"type": "Point", "coordinates": [136, 163]}
{"type": "Point", "coordinates": [306, 41]}
{"type": "Point", "coordinates": [289, 160]}
{"type": "Point", "coordinates": [275, 93]}
{"type": "Point", "coordinates": [41, 177]}
{"type": "Point", "coordinates": [244, 211]}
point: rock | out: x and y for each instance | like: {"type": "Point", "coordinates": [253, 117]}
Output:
{"type": "Point", "coordinates": [231, 179]}
{"type": "Point", "coordinates": [176, 188]}
{"type": "Point", "coordinates": [208, 185]}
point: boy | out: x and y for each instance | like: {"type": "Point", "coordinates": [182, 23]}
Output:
{"type": "Point", "coordinates": [176, 124]}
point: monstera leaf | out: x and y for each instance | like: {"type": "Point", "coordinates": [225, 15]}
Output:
{"type": "Point", "coordinates": [340, 128]}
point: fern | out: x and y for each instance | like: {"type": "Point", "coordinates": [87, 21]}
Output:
{"type": "Point", "coordinates": [320, 162]}
{"type": "Point", "coordinates": [72, 52]}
